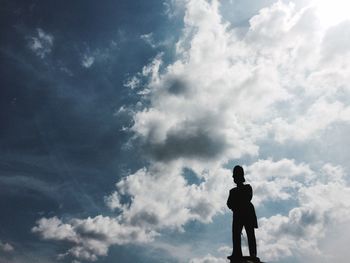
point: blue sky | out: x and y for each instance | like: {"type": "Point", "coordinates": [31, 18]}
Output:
{"type": "Point", "coordinates": [121, 121]}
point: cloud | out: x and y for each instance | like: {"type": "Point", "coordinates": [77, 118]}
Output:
{"type": "Point", "coordinates": [53, 228]}
{"type": "Point", "coordinates": [151, 210]}
{"type": "Point", "coordinates": [174, 203]}
{"type": "Point", "coordinates": [213, 259]}
{"type": "Point", "coordinates": [149, 39]}
{"type": "Point", "coordinates": [90, 57]}
{"type": "Point", "coordinates": [6, 247]}
{"type": "Point", "coordinates": [160, 199]}
{"type": "Point", "coordinates": [208, 259]}
{"type": "Point", "coordinates": [320, 207]}
{"type": "Point", "coordinates": [189, 141]}
{"type": "Point", "coordinates": [132, 82]}
{"type": "Point", "coordinates": [318, 196]}
{"type": "Point", "coordinates": [90, 237]}
{"type": "Point", "coordinates": [319, 116]}
{"type": "Point", "coordinates": [274, 181]}
{"type": "Point", "coordinates": [335, 247]}
{"type": "Point", "coordinates": [41, 44]}
{"type": "Point", "coordinates": [206, 94]}
{"type": "Point", "coordinates": [87, 61]}
{"type": "Point", "coordinates": [336, 41]}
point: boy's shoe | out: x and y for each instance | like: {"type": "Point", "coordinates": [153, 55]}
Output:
{"type": "Point", "coordinates": [232, 258]}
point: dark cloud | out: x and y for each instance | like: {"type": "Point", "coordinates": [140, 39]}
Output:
{"type": "Point", "coordinates": [203, 208]}
{"type": "Point", "coordinates": [188, 142]}
{"type": "Point", "coordinates": [301, 219]}
{"type": "Point", "coordinates": [85, 232]}
{"type": "Point", "coordinates": [144, 218]}
{"type": "Point", "coordinates": [177, 86]}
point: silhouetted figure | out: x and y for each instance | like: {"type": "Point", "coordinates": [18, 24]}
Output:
{"type": "Point", "coordinates": [243, 215]}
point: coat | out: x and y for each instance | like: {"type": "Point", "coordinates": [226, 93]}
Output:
{"type": "Point", "coordinates": [239, 201]}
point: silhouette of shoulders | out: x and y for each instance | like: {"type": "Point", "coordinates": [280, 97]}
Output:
{"type": "Point", "coordinates": [241, 194]}
{"type": "Point", "coordinates": [239, 202]}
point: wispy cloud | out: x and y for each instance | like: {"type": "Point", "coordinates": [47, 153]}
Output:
{"type": "Point", "coordinates": [90, 57]}
{"type": "Point", "coordinates": [41, 43]}
{"type": "Point", "coordinates": [148, 38]}
{"type": "Point", "coordinates": [6, 247]}
{"type": "Point", "coordinates": [87, 61]}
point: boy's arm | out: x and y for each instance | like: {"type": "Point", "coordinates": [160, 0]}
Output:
{"type": "Point", "coordinates": [250, 192]}
{"type": "Point", "coordinates": [229, 201]}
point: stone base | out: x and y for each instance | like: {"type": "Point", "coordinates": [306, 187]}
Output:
{"type": "Point", "coordinates": [245, 260]}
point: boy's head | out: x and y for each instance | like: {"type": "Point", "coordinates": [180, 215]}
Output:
{"type": "Point", "coordinates": [238, 174]}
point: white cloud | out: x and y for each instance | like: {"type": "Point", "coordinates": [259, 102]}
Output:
{"type": "Point", "coordinates": [279, 180]}
{"type": "Point", "coordinates": [53, 228]}
{"type": "Point", "coordinates": [152, 209]}
{"type": "Point", "coordinates": [335, 246]}
{"type": "Point", "coordinates": [90, 57]}
{"type": "Point", "coordinates": [91, 237]}
{"type": "Point", "coordinates": [161, 198]}
{"type": "Point", "coordinates": [41, 44]}
{"type": "Point", "coordinates": [149, 39]}
{"type": "Point", "coordinates": [208, 259]}
{"type": "Point", "coordinates": [321, 207]}
{"type": "Point", "coordinates": [319, 116]}
{"type": "Point", "coordinates": [226, 91]}
{"type": "Point", "coordinates": [132, 82]}
{"type": "Point", "coordinates": [174, 203]}
{"type": "Point", "coordinates": [87, 61]}
{"type": "Point", "coordinates": [336, 41]}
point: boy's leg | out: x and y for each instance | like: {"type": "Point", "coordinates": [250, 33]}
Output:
{"type": "Point", "coordinates": [237, 230]}
{"type": "Point", "coordinates": [233, 236]}
{"type": "Point", "coordinates": [251, 240]}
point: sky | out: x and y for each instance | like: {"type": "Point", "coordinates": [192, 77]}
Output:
{"type": "Point", "coordinates": [121, 122]}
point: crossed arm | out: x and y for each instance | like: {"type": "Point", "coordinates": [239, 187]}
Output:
{"type": "Point", "coordinates": [246, 197]}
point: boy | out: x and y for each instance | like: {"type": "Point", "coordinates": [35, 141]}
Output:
{"type": "Point", "coordinates": [239, 201]}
